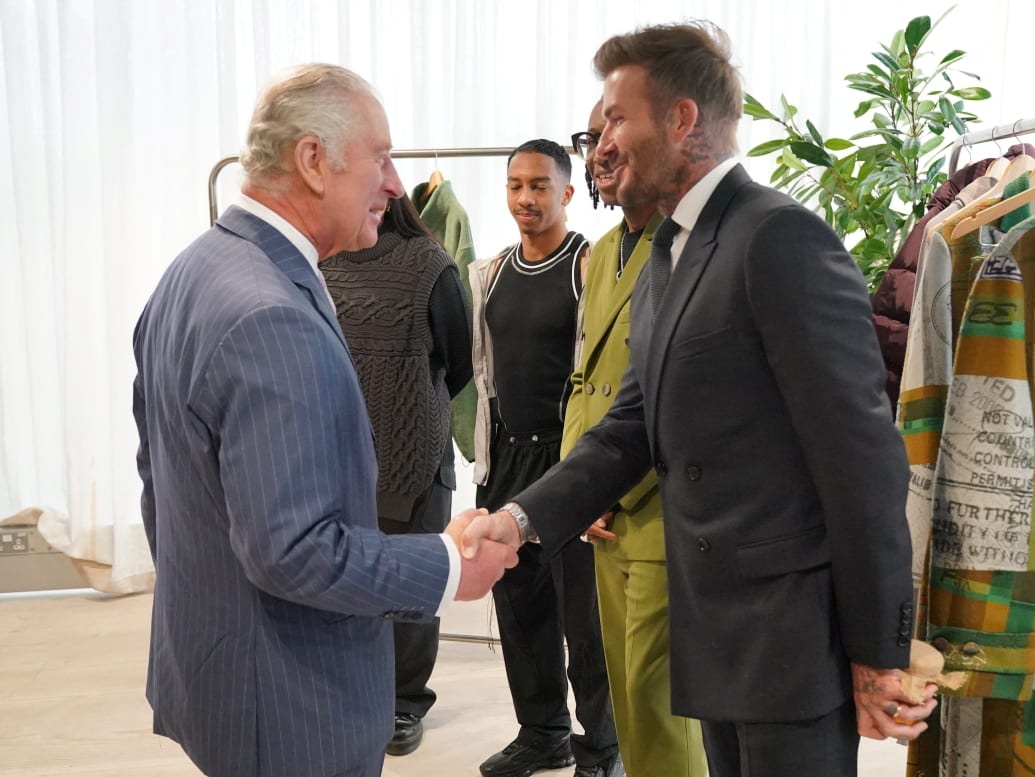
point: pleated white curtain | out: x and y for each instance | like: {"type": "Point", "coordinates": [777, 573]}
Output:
{"type": "Point", "coordinates": [112, 113]}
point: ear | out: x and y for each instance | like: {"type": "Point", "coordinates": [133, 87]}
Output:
{"type": "Point", "coordinates": [310, 159]}
{"type": "Point", "coordinates": [685, 113]}
{"type": "Point", "coordinates": [569, 192]}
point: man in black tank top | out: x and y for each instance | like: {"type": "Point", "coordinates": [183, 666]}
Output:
{"type": "Point", "coordinates": [526, 306]}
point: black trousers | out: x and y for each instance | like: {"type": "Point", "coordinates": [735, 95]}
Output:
{"type": "Point", "coordinates": [827, 746]}
{"type": "Point", "coordinates": [416, 644]}
{"type": "Point", "coordinates": [540, 604]}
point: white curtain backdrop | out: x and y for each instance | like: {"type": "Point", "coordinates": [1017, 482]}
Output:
{"type": "Point", "coordinates": [112, 113]}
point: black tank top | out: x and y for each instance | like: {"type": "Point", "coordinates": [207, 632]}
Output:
{"type": "Point", "coordinates": [530, 310]}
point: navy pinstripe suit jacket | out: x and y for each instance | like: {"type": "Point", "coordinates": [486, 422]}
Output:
{"type": "Point", "coordinates": [271, 643]}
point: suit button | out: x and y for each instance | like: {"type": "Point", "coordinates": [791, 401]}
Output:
{"type": "Point", "coordinates": [971, 648]}
{"type": "Point", "coordinates": [606, 389]}
{"type": "Point", "coordinates": [590, 388]}
{"type": "Point", "coordinates": [513, 440]}
{"type": "Point", "coordinates": [903, 642]}
{"type": "Point", "coordinates": [703, 545]}
{"type": "Point", "coordinates": [941, 644]}
{"type": "Point", "coordinates": [661, 468]}
{"type": "Point", "coordinates": [693, 472]}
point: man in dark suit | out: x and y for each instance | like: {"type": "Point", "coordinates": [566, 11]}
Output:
{"type": "Point", "coordinates": [755, 391]}
{"type": "Point", "coordinates": [271, 637]}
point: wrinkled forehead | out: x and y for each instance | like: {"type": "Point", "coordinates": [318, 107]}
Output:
{"type": "Point", "coordinates": [371, 129]}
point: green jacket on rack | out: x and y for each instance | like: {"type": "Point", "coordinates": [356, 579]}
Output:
{"type": "Point", "coordinates": [446, 217]}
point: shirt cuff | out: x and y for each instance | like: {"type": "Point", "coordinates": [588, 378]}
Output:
{"type": "Point", "coordinates": [454, 575]}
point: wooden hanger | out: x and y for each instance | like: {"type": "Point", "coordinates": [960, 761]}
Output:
{"type": "Point", "coordinates": [1017, 167]}
{"type": "Point", "coordinates": [998, 168]}
{"type": "Point", "coordinates": [997, 211]}
{"type": "Point", "coordinates": [434, 180]}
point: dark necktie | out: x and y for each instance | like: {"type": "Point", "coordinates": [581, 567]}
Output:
{"type": "Point", "coordinates": [661, 260]}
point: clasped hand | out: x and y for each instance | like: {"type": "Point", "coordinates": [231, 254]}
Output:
{"type": "Point", "coordinates": [882, 708]}
{"type": "Point", "coordinates": [479, 571]}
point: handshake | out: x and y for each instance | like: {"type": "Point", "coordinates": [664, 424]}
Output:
{"type": "Point", "coordinates": [488, 545]}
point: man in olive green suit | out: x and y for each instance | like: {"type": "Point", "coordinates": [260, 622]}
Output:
{"type": "Point", "coordinates": [630, 544]}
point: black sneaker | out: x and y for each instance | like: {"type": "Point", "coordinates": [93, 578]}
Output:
{"type": "Point", "coordinates": [521, 760]}
{"type": "Point", "coordinates": [408, 732]}
{"type": "Point", "coordinates": [610, 767]}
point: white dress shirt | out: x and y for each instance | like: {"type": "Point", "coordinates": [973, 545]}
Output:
{"type": "Point", "coordinates": [688, 211]}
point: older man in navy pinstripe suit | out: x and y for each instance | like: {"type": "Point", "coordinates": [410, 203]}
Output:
{"type": "Point", "coordinates": [271, 650]}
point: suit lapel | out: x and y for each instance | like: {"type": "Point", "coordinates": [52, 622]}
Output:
{"type": "Point", "coordinates": [697, 253]}
{"type": "Point", "coordinates": [285, 256]}
{"type": "Point", "coordinates": [623, 288]}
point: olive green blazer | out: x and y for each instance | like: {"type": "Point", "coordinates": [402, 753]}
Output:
{"type": "Point", "coordinates": [597, 376]}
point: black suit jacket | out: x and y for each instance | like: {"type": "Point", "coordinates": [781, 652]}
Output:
{"type": "Point", "coordinates": [757, 396]}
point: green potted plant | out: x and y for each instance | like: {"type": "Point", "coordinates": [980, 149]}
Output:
{"type": "Point", "coordinates": [873, 186]}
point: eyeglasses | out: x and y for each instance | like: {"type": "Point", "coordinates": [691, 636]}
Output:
{"type": "Point", "coordinates": [584, 142]}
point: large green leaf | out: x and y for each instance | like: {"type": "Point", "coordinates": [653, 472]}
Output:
{"type": "Point", "coordinates": [952, 56]}
{"type": "Point", "coordinates": [972, 93]}
{"type": "Point", "coordinates": [811, 153]}
{"type": "Point", "coordinates": [788, 110]}
{"type": "Point", "coordinates": [949, 112]}
{"type": "Point", "coordinates": [814, 132]}
{"type": "Point", "coordinates": [767, 148]}
{"type": "Point", "coordinates": [791, 160]}
{"type": "Point", "coordinates": [916, 31]}
{"type": "Point", "coordinates": [838, 144]}
{"type": "Point", "coordinates": [887, 60]}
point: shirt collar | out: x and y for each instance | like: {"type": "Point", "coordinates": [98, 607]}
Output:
{"type": "Point", "coordinates": [688, 211]}
{"type": "Point", "coordinates": [285, 227]}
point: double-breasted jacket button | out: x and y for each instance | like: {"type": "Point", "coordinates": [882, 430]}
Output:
{"type": "Point", "coordinates": [590, 388]}
{"type": "Point", "coordinates": [703, 545]}
{"type": "Point", "coordinates": [512, 440]}
{"type": "Point", "coordinates": [661, 468]}
{"type": "Point", "coordinates": [535, 438]}
{"type": "Point", "coordinates": [606, 389]}
{"type": "Point", "coordinates": [693, 472]}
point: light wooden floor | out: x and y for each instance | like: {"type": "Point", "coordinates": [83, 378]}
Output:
{"type": "Point", "coordinates": [72, 699]}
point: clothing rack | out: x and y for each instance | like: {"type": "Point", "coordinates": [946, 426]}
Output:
{"type": "Point", "coordinates": [1001, 132]}
{"type": "Point", "coordinates": [413, 153]}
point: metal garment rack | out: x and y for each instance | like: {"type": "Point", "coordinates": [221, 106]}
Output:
{"type": "Point", "coordinates": [413, 153]}
{"type": "Point", "coordinates": [1002, 132]}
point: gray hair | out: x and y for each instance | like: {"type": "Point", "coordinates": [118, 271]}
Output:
{"type": "Point", "coordinates": [306, 100]}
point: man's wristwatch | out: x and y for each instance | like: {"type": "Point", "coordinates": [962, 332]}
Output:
{"type": "Point", "coordinates": [525, 528]}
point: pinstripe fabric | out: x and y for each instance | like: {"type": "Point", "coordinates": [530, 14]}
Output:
{"type": "Point", "coordinates": [271, 649]}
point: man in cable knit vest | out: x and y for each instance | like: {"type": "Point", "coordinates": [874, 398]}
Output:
{"type": "Point", "coordinates": [404, 315]}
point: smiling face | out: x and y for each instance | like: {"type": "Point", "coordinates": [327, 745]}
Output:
{"type": "Point", "coordinates": [358, 192]}
{"type": "Point", "coordinates": [641, 151]}
{"type": "Point", "coordinates": [597, 166]}
{"type": "Point", "coordinates": [537, 194]}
